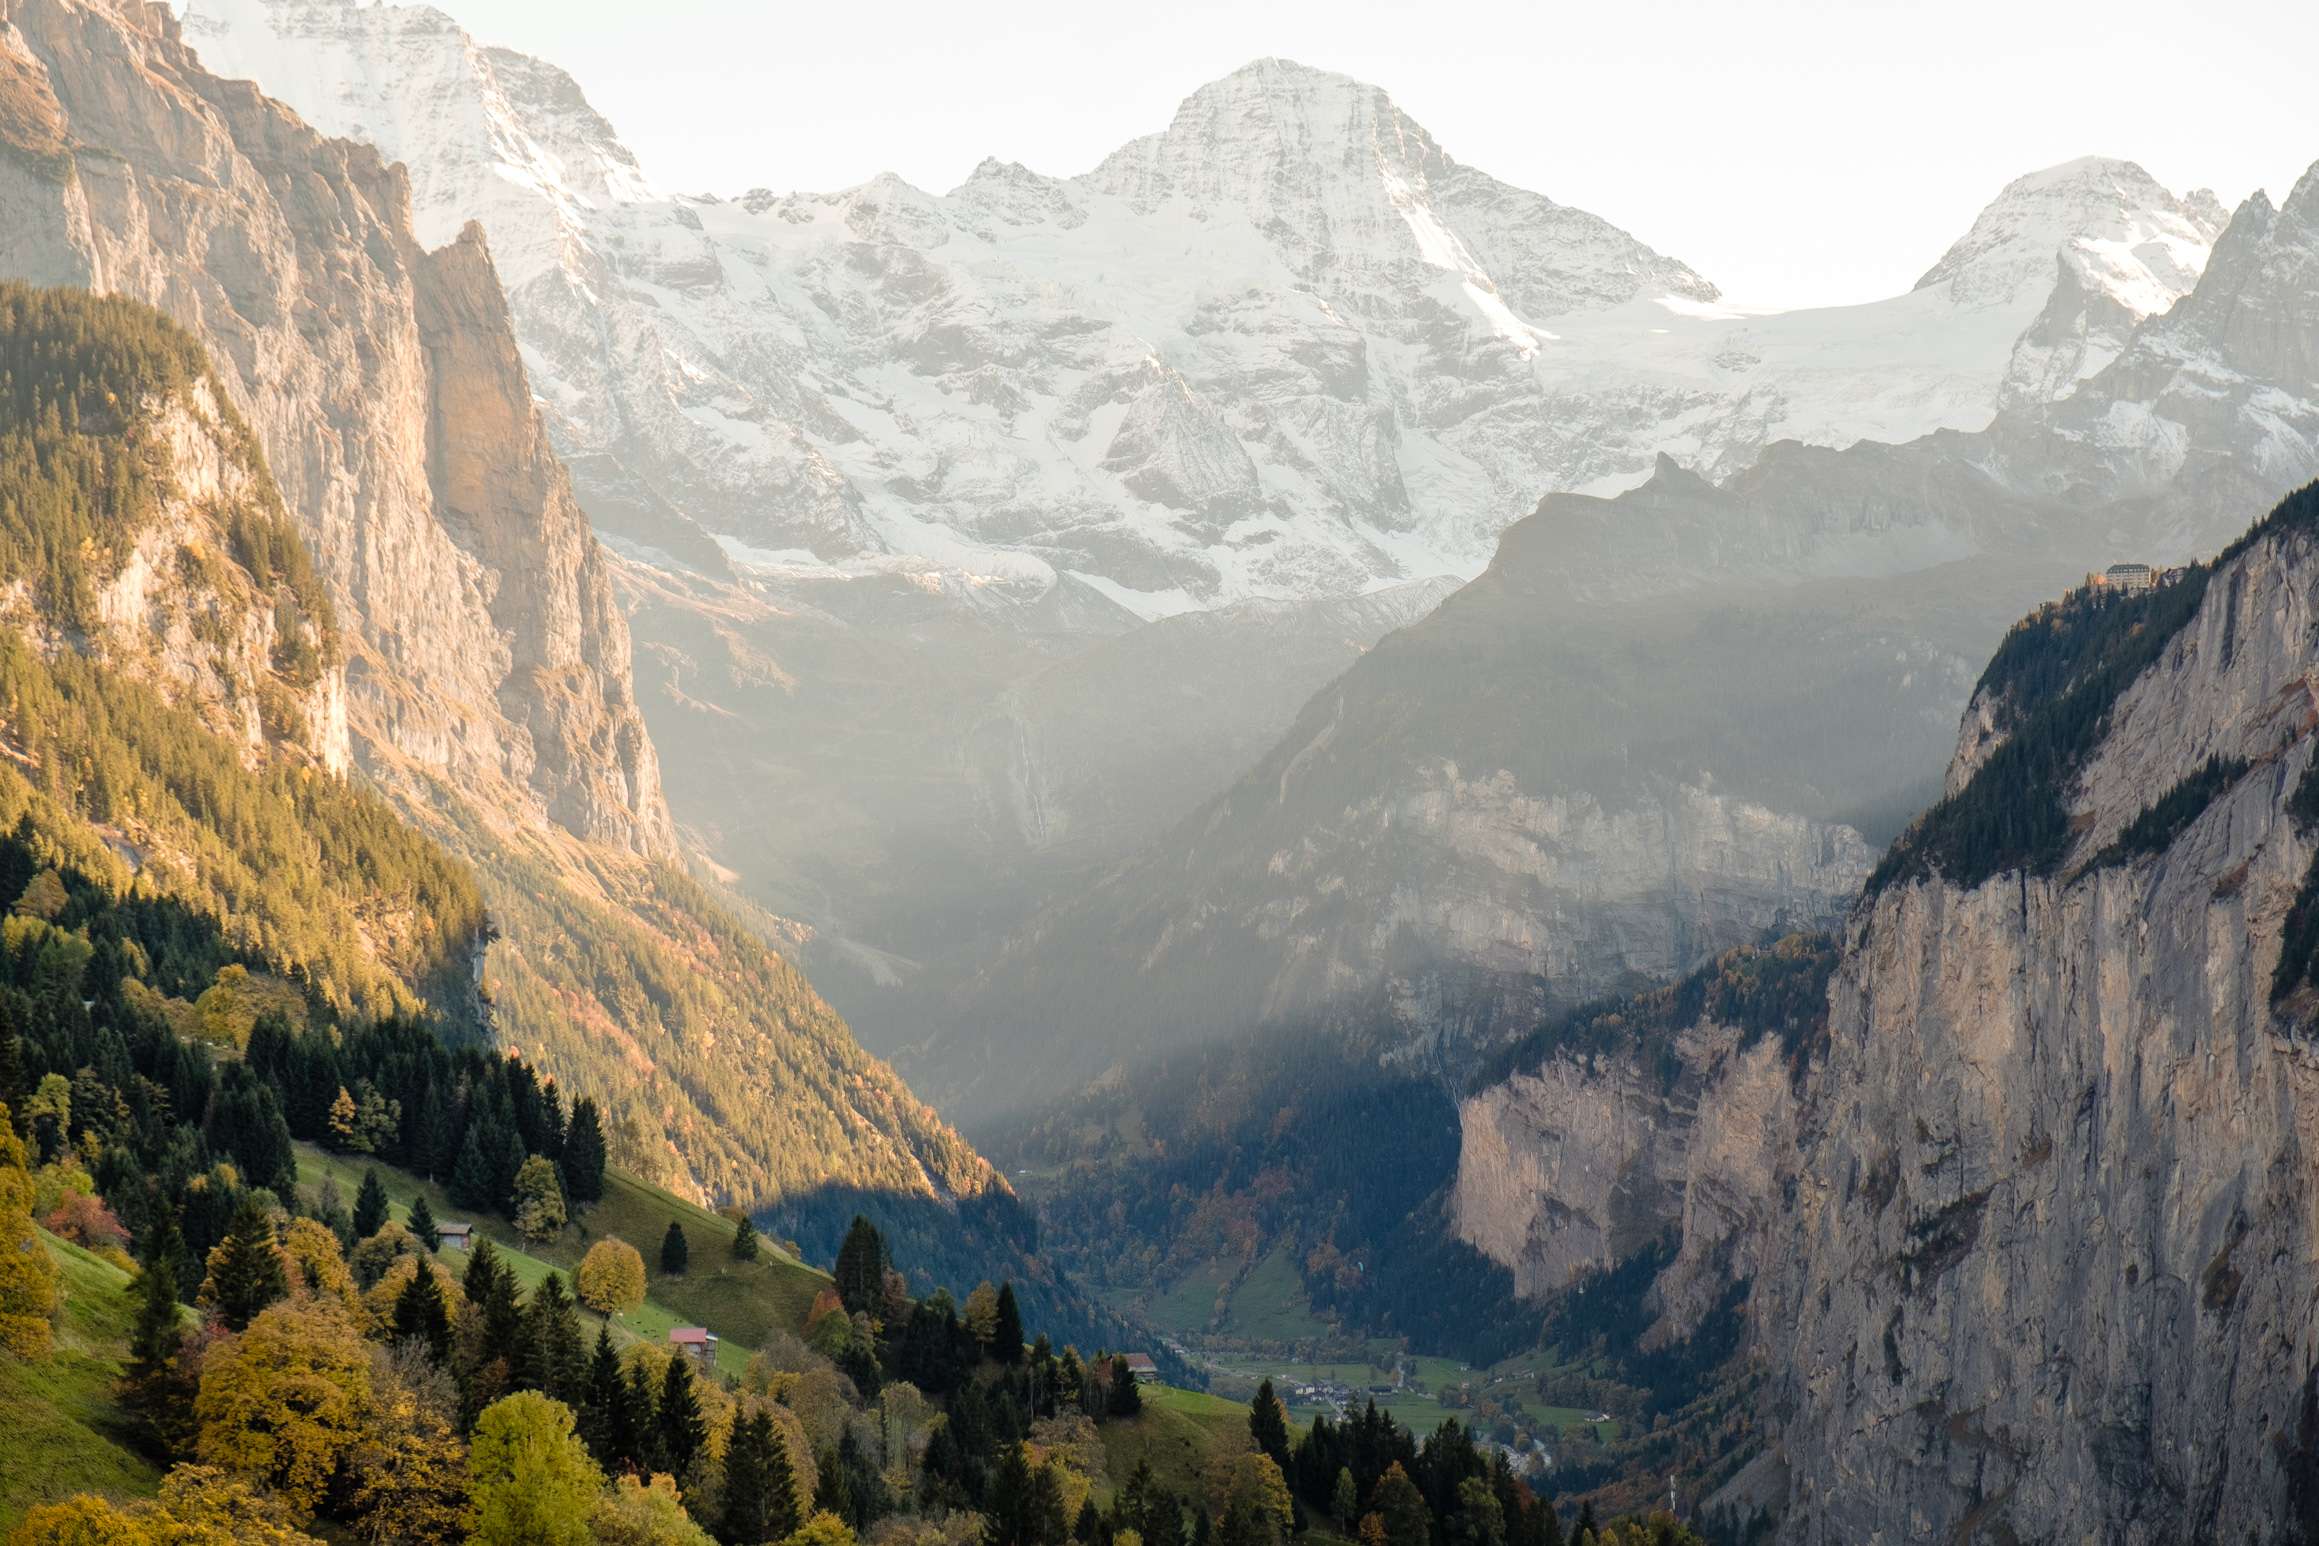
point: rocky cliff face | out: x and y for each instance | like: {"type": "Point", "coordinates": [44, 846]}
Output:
{"type": "Point", "coordinates": [183, 612]}
{"type": "Point", "coordinates": [2028, 1231]}
{"type": "Point", "coordinates": [1578, 1164]}
{"type": "Point", "coordinates": [377, 378]}
{"type": "Point", "coordinates": [2049, 1265]}
{"type": "Point", "coordinates": [485, 663]}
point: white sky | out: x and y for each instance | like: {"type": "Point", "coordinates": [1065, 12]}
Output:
{"type": "Point", "coordinates": [1794, 153]}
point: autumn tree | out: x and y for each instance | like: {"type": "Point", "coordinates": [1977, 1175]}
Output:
{"type": "Point", "coordinates": [539, 1201]}
{"type": "Point", "coordinates": [529, 1480]}
{"type": "Point", "coordinates": [1401, 1508]}
{"type": "Point", "coordinates": [635, 1513]}
{"type": "Point", "coordinates": [285, 1401]}
{"type": "Point", "coordinates": [28, 1275]}
{"type": "Point", "coordinates": [611, 1276]}
{"type": "Point", "coordinates": [408, 1473]}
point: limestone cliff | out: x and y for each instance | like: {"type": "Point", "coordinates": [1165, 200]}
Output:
{"type": "Point", "coordinates": [2049, 1271]}
{"type": "Point", "coordinates": [486, 670]}
{"type": "Point", "coordinates": [382, 384]}
{"type": "Point", "coordinates": [2027, 1216]}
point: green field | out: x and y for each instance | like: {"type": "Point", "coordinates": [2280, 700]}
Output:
{"type": "Point", "coordinates": [742, 1302]}
{"type": "Point", "coordinates": [1177, 1433]}
{"type": "Point", "coordinates": [64, 1432]}
{"type": "Point", "coordinates": [1267, 1305]}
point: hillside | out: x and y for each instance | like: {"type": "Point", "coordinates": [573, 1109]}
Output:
{"type": "Point", "coordinates": [483, 681]}
{"type": "Point", "coordinates": [65, 1431]}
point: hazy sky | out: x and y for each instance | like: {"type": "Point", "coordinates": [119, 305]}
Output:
{"type": "Point", "coordinates": [1793, 152]}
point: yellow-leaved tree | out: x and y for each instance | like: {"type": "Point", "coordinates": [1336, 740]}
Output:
{"type": "Point", "coordinates": [284, 1402]}
{"type": "Point", "coordinates": [528, 1475]}
{"type": "Point", "coordinates": [28, 1275]}
{"type": "Point", "coordinates": [199, 1506]}
{"type": "Point", "coordinates": [611, 1276]}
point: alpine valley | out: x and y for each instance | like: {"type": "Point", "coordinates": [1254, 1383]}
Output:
{"type": "Point", "coordinates": [1488, 900]}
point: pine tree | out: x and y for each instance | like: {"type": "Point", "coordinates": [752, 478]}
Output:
{"type": "Point", "coordinates": [1006, 1336]}
{"type": "Point", "coordinates": [641, 1421]}
{"type": "Point", "coordinates": [491, 1288]}
{"type": "Point", "coordinates": [744, 1240]}
{"type": "Point", "coordinates": [370, 1206]}
{"type": "Point", "coordinates": [420, 1312]}
{"type": "Point", "coordinates": [674, 1252]}
{"type": "Point", "coordinates": [422, 1223]}
{"type": "Point", "coordinates": [861, 1269]}
{"type": "Point", "coordinates": [760, 1502]}
{"type": "Point", "coordinates": [603, 1404]}
{"type": "Point", "coordinates": [151, 1388]}
{"type": "Point", "coordinates": [245, 1271]}
{"type": "Point", "coordinates": [683, 1432]}
{"type": "Point", "coordinates": [1006, 1504]}
{"type": "Point", "coordinates": [1268, 1425]}
{"type": "Point", "coordinates": [551, 1358]}
{"type": "Point", "coordinates": [1125, 1399]}
{"type": "Point", "coordinates": [583, 1158]}
{"type": "Point", "coordinates": [471, 1178]}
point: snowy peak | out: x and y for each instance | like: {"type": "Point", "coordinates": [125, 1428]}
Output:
{"type": "Point", "coordinates": [2118, 230]}
{"type": "Point", "coordinates": [1329, 170]}
{"type": "Point", "coordinates": [488, 134]}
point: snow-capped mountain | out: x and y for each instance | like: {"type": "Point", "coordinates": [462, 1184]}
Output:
{"type": "Point", "coordinates": [1286, 347]}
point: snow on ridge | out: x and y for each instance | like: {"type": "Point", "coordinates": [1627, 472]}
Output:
{"type": "Point", "coordinates": [882, 379]}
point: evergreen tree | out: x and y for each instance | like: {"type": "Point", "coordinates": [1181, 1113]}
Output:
{"type": "Point", "coordinates": [751, 1513]}
{"type": "Point", "coordinates": [420, 1313]}
{"type": "Point", "coordinates": [675, 1254]}
{"type": "Point", "coordinates": [1268, 1425]}
{"type": "Point", "coordinates": [1125, 1400]}
{"type": "Point", "coordinates": [491, 1288]}
{"type": "Point", "coordinates": [600, 1402]}
{"type": "Point", "coordinates": [1006, 1336]}
{"type": "Point", "coordinates": [1006, 1504]}
{"type": "Point", "coordinates": [744, 1240]}
{"type": "Point", "coordinates": [245, 1272]}
{"type": "Point", "coordinates": [551, 1357]}
{"type": "Point", "coordinates": [422, 1223]}
{"type": "Point", "coordinates": [833, 1490]}
{"type": "Point", "coordinates": [151, 1388]}
{"type": "Point", "coordinates": [583, 1157]}
{"type": "Point", "coordinates": [471, 1178]}
{"type": "Point", "coordinates": [683, 1432]}
{"type": "Point", "coordinates": [640, 1421]}
{"type": "Point", "coordinates": [861, 1269]}
{"type": "Point", "coordinates": [370, 1206]}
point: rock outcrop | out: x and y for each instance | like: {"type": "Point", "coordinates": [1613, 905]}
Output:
{"type": "Point", "coordinates": [2049, 1266]}
{"type": "Point", "coordinates": [485, 661]}
{"type": "Point", "coordinates": [378, 379]}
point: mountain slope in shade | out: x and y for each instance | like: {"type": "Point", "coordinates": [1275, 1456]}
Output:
{"type": "Point", "coordinates": [486, 669]}
{"type": "Point", "coordinates": [1285, 347]}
